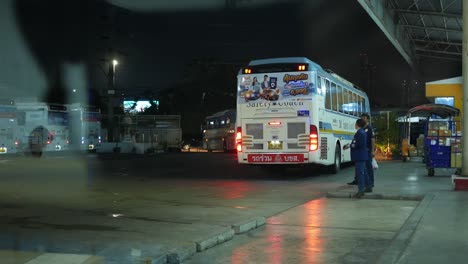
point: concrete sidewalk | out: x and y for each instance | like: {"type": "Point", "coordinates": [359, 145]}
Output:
{"type": "Point", "coordinates": [437, 231]}
{"type": "Point", "coordinates": [373, 229]}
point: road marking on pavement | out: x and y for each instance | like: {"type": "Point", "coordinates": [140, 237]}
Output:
{"type": "Point", "coordinates": [54, 258]}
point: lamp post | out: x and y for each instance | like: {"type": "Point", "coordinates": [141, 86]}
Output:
{"type": "Point", "coordinates": [110, 94]}
{"type": "Point", "coordinates": [114, 63]}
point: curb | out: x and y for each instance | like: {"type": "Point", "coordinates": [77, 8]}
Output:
{"type": "Point", "coordinates": [215, 240]}
{"type": "Point", "coordinates": [402, 239]}
{"type": "Point", "coordinates": [181, 253]}
{"type": "Point", "coordinates": [184, 252]}
{"type": "Point", "coordinates": [377, 196]}
{"type": "Point", "coordinates": [246, 226]}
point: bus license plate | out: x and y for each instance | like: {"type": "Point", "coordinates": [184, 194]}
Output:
{"type": "Point", "coordinates": [275, 144]}
{"type": "Point", "coordinates": [266, 158]}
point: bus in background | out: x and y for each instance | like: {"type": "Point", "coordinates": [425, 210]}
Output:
{"type": "Point", "coordinates": [8, 127]}
{"type": "Point", "coordinates": [42, 127]}
{"type": "Point", "coordinates": [85, 127]}
{"type": "Point", "coordinates": [290, 111]}
{"type": "Point", "coordinates": [219, 131]}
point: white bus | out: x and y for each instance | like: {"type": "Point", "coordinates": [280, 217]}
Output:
{"type": "Point", "coordinates": [219, 131]}
{"type": "Point", "coordinates": [8, 127]}
{"type": "Point", "coordinates": [42, 127]}
{"type": "Point", "coordinates": [292, 112]}
{"type": "Point", "coordinates": [85, 127]}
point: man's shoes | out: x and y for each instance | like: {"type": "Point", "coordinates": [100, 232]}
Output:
{"type": "Point", "coordinates": [352, 183]}
{"type": "Point", "coordinates": [368, 190]}
{"type": "Point", "coordinates": [359, 194]}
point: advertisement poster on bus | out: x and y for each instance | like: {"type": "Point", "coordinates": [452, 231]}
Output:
{"type": "Point", "coordinates": [276, 87]}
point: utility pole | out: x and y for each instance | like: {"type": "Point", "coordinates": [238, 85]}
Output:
{"type": "Point", "coordinates": [367, 76]}
{"type": "Point", "coordinates": [404, 86]}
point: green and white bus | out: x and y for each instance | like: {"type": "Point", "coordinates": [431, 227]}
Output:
{"type": "Point", "coordinates": [219, 131]}
{"type": "Point", "coordinates": [290, 111]}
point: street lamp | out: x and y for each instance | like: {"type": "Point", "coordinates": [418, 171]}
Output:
{"type": "Point", "coordinates": [110, 93]}
{"type": "Point", "coordinates": [114, 63]}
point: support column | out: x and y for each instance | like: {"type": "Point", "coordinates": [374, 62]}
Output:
{"type": "Point", "coordinates": [465, 90]}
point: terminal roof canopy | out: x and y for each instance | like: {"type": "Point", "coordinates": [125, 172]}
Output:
{"type": "Point", "coordinates": [441, 110]}
{"type": "Point", "coordinates": [420, 28]}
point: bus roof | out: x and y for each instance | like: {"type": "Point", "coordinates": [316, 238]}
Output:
{"type": "Point", "coordinates": [285, 60]}
{"type": "Point", "coordinates": [222, 113]}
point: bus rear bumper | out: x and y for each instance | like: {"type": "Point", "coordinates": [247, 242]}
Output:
{"type": "Point", "coordinates": [273, 158]}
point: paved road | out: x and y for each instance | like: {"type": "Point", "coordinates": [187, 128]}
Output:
{"type": "Point", "coordinates": [125, 207]}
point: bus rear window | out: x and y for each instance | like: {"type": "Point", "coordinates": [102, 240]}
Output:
{"type": "Point", "coordinates": [58, 118]}
{"type": "Point", "coordinates": [277, 67]}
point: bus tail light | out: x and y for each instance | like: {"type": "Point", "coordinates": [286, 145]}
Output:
{"type": "Point", "coordinates": [239, 139]}
{"type": "Point", "coordinates": [313, 138]}
{"type": "Point", "coordinates": [274, 123]}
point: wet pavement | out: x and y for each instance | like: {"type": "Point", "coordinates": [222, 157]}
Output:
{"type": "Point", "coordinates": [134, 208]}
{"type": "Point", "coordinates": [320, 231]}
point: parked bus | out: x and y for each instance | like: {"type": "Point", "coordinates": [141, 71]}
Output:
{"type": "Point", "coordinates": [219, 131]}
{"type": "Point", "coordinates": [85, 127]}
{"type": "Point", "coordinates": [42, 127]}
{"type": "Point", "coordinates": [290, 111]}
{"type": "Point", "coordinates": [8, 127]}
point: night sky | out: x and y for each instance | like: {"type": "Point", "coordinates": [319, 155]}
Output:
{"type": "Point", "coordinates": [155, 48]}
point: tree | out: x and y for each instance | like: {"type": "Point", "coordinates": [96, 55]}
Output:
{"type": "Point", "coordinates": [387, 131]}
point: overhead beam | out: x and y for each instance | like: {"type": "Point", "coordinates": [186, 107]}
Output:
{"type": "Point", "coordinates": [383, 17]}
{"type": "Point", "coordinates": [439, 51]}
{"type": "Point", "coordinates": [438, 42]}
{"type": "Point", "coordinates": [428, 13]}
{"type": "Point", "coordinates": [433, 28]}
{"type": "Point", "coordinates": [440, 57]}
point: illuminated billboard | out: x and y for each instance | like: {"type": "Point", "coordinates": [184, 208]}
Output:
{"type": "Point", "coordinates": [134, 107]}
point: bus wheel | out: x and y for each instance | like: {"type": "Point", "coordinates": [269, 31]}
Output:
{"type": "Point", "coordinates": [335, 168]}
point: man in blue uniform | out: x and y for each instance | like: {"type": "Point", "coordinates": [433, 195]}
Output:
{"type": "Point", "coordinates": [371, 146]}
{"type": "Point", "coordinates": [360, 154]}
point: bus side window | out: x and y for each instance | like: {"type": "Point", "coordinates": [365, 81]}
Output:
{"type": "Point", "coordinates": [339, 96]}
{"type": "Point", "coordinates": [328, 95]}
{"type": "Point", "coordinates": [354, 104]}
{"type": "Point", "coordinates": [361, 105]}
{"type": "Point", "coordinates": [345, 101]}
{"type": "Point", "coordinates": [334, 97]}
{"type": "Point", "coordinates": [319, 85]}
